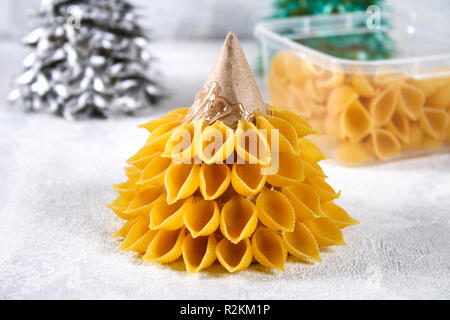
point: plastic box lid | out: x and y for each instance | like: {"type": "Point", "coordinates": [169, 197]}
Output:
{"type": "Point", "coordinates": [421, 44]}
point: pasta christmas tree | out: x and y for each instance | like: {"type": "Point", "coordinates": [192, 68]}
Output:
{"type": "Point", "coordinates": [228, 179]}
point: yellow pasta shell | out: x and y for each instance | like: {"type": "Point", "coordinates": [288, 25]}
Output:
{"type": "Point", "coordinates": [310, 168]}
{"type": "Point", "coordinates": [355, 122]}
{"type": "Point", "coordinates": [168, 216]}
{"type": "Point", "coordinates": [132, 173]}
{"type": "Point", "coordinates": [275, 210]}
{"type": "Point", "coordinates": [323, 189]}
{"type": "Point", "coordinates": [139, 228]}
{"type": "Point", "coordinates": [142, 243]}
{"type": "Point", "coordinates": [181, 144]}
{"type": "Point", "coordinates": [301, 243]}
{"type": "Point", "coordinates": [216, 143]}
{"type": "Point", "coordinates": [416, 136]}
{"type": "Point", "coordinates": [362, 86]}
{"type": "Point", "coordinates": [312, 150]}
{"type": "Point", "coordinates": [143, 202]}
{"type": "Point", "coordinates": [247, 179]}
{"type": "Point", "coordinates": [340, 98]}
{"type": "Point", "coordinates": [238, 219]}
{"type": "Point", "coordinates": [122, 232]}
{"type": "Point", "coordinates": [153, 173]}
{"type": "Point", "coordinates": [199, 253]}
{"type": "Point", "coordinates": [126, 189]}
{"type": "Point", "coordinates": [353, 153]}
{"type": "Point", "coordinates": [382, 106]}
{"type": "Point", "coordinates": [325, 231]}
{"type": "Point", "coordinates": [410, 101]}
{"type": "Point", "coordinates": [399, 126]}
{"type": "Point", "coordinates": [181, 181]}
{"type": "Point", "coordinates": [290, 170]}
{"type": "Point", "coordinates": [214, 180]}
{"type": "Point", "coordinates": [440, 98]}
{"type": "Point", "coordinates": [157, 123]}
{"type": "Point", "coordinates": [300, 125]}
{"type": "Point", "coordinates": [234, 257]}
{"type": "Point", "coordinates": [305, 201]}
{"type": "Point", "coordinates": [287, 136]}
{"type": "Point", "coordinates": [202, 217]}
{"type": "Point", "coordinates": [384, 143]}
{"type": "Point", "coordinates": [269, 248]}
{"type": "Point", "coordinates": [119, 205]}
{"type": "Point", "coordinates": [434, 122]}
{"type": "Point", "coordinates": [338, 215]}
{"type": "Point", "coordinates": [166, 246]}
{"type": "Point", "coordinates": [251, 145]}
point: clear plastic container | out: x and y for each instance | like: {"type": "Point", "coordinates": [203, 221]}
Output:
{"type": "Point", "coordinates": [374, 92]}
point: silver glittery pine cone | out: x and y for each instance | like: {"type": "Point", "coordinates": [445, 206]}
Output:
{"type": "Point", "coordinates": [89, 59]}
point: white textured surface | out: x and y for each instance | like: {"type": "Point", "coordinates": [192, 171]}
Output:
{"type": "Point", "coordinates": [54, 229]}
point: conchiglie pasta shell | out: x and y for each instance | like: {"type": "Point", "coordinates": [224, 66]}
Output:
{"type": "Point", "coordinates": [340, 98]}
{"type": "Point", "coordinates": [362, 86]}
{"type": "Point", "coordinates": [434, 122]}
{"type": "Point", "coordinates": [325, 231]}
{"type": "Point", "coordinates": [234, 257]}
{"type": "Point", "coordinates": [247, 179]}
{"type": "Point", "coordinates": [287, 136]}
{"type": "Point", "coordinates": [355, 122]}
{"type": "Point", "coordinates": [180, 112]}
{"type": "Point", "coordinates": [312, 150]}
{"type": "Point", "coordinates": [440, 98]}
{"type": "Point", "coordinates": [338, 215]}
{"type": "Point", "coordinates": [143, 202]}
{"type": "Point", "coordinates": [119, 205]}
{"type": "Point", "coordinates": [323, 189]}
{"type": "Point", "coordinates": [384, 143]}
{"type": "Point", "coordinates": [181, 144]}
{"type": "Point", "coordinates": [216, 143]}
{"type": "Point", "coordinates": [181, 181]}
{"type": "Point", "coordinates": [305, 201]}
{"type": "Point", "coordinates": [238, 219]}
{"type": "Point", "coordinates": [296, 100]}
{"type": "Point", "coordinates": [132, 173]}
{"type": "Point", "coordinates": [168, 216]}
{"type": "Point", "coordinates": [202, 217]}
{"type": "Point", "coordinates": [153, 173]}
{"type": "Point", "coordinates": [251, 145]}
{"type": "Point", "coordinates": [275, 211]}
{"type": "Point", "coordinates": [399, 126]}
{"type": "Point", "coordinates": [410, 101]}
{"type": "Point", "coordinates": [353, 153]}
{"type": "Point", "coordinates": [126, 189]}
{"type": "Point", "coordinates": [139, 228]}
{"type": "Point", "coordinates": [300, 125]}
{"type": "Point", "coordinates": [290, 170]}
{"type": "Point", "coordinates": [382, 106]}
{"type": "Point", "coordinates": [269, 248]}
{"type": "Point", "coordinates": [214, 180]}
{"type": "Point", "coordinates": [331, 78]}
{"type": "Point", "coordinates": [312, 91]}
{"type": "Point", "coordinates": [157, 123]}
{"type": "Point", "coordinates": [122, 232]}
{"type": "Point", "coordinates": [199, 253]}
{"type": "Point", "coordinates": [166, 246]}
{"type": "Point", "coordinates": [301, 243]}
{"type": "Point", "coordinates": [141, 159]}
{"type": "Point", "coordinates": [387, 76]}
{"type": "Point", "coordinates": [310, 168]}
{"type": "Point", "coordinates": [142, 243]}
{"type": "Point", "coordinates": [416, 136]}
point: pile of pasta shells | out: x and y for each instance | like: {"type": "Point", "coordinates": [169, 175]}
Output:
{"type": "Point", "coordinates": [364, 117]}
{"type": "Point", "coordinates": [185, 203]}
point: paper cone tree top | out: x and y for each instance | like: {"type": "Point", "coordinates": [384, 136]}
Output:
{"type": "Point", "coordinates": [206, 204]}
{"type": "Point", "coordinates": [230, 92]}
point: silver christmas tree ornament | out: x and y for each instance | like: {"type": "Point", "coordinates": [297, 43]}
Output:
{"type": "Point", "coordinates": [89, 58]}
